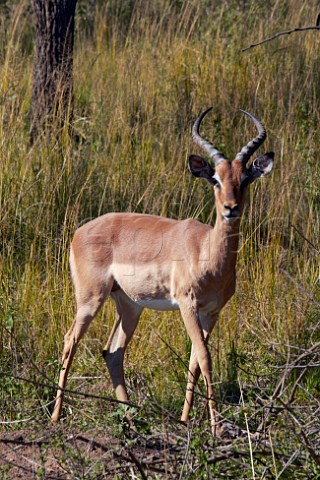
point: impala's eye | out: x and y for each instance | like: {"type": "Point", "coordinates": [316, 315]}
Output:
{"type": "Point", "coordinates": [215, 182]}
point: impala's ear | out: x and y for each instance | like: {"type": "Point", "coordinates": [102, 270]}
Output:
{"type": "Point", "coordinates": [261, 166]}
{"type": "Point", "coordinates": [199, 167]}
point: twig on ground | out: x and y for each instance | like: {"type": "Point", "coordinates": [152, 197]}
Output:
{"type": "Point", "coordinates": [26, 469]}
{"type": "Point", "coordinates": [306, 441]}
{"type": "Point", "coordinates": [137, 464]}
{"type": "Point", "coordinates": [16, 421]}
{"type": "Point", "coordinates": [289, 462]}
{"type": "Point", "coordinates": [54, 387]}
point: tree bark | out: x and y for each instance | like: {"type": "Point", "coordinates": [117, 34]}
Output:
{"type": "Point", "coordinates": [52, 91]}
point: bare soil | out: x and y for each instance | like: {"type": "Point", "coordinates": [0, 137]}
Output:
{"type": "Point", "coordinates": [59, 454]}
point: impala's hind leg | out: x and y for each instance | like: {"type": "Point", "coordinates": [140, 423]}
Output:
{"type": "Point", "coordinates": [89, 303]}
{"type": "Point", "coordinates": [114, 350]}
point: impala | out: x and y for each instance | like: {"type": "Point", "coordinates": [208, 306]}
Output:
{"type": "Point", "coordinates": [145, 261]}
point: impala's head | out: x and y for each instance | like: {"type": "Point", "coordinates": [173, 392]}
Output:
{"type": "Point", "coordinates": [230, 179]}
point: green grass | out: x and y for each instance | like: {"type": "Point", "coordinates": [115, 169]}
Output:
{"type": "Point", "coordinates": [142, 74]}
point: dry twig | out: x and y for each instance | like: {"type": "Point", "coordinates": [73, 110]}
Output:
{"type": "Point", "coordinates": [279, 34]}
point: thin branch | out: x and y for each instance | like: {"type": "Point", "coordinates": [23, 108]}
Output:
{"type": "Point", "coordinates": [291, 460]}
{"type": "Point", "coordinates": [306, 441]}
{"type": "Point", "coordinates": [305, 238]}
{"type": "Point", "coordinates": [293, 280]}
{"type": "Point", "coordinates": [279, 34]}
{"type": "Point", "coordinates": [55, 387]}
{"type": "Point", "coordinates": [138, 464]}
{"type": "Point", "coordinates": [247, 427]}
{"type": "Point", "coordinates": [231, 452]}
{"type": "Point", "coordinates": [19, 441]}
{"type": "Point", "coordinates": [297, 384]}
{"type": "Point", "coordinates": [25, 469]}
{"type": "Point", "coordinates": [310, 448]}
{"type": "Point", "coordinates": [16, 421]}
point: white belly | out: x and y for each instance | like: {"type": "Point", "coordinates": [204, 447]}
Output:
{"type": "Point", "coordinates": [157, 304]}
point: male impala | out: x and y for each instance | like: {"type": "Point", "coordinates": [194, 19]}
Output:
{"type": "Point", "coordinates": [146, 261]}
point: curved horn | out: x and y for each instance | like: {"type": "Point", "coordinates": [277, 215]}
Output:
{"type": "Point", "coordinates": [252, 146]}
{"type": "Point", "coordinates": [213, 153]}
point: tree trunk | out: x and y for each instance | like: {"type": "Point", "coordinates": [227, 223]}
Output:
{"type": "Point", "coordinates": [52, 92]}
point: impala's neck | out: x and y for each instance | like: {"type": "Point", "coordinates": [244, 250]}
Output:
{"type": "Point", "coordinates": [224, 241]}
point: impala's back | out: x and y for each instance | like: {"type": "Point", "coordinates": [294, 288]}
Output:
{"type": "Point", "coordinates": [148, 257]}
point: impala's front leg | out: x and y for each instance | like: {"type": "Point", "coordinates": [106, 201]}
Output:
{"type": "Point", "coordinates": [207, 324]}
{"type": "Point", "coordinates": [191, 320]}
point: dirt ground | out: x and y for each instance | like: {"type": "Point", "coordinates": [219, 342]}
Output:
{"type": "Point", "coordinates": [57, 454]}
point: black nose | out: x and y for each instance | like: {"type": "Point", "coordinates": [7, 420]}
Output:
{"type": "Point", "coordinates": [231, 209]}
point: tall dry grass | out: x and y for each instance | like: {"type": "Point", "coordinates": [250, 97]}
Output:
{"type": "Point", "coordinates": [142, 73]}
